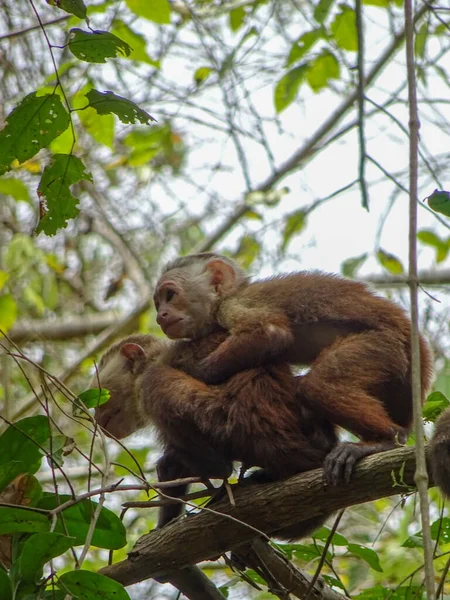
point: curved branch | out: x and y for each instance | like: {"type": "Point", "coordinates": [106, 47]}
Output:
{"type": "Point", "coordinates": [266, 507]}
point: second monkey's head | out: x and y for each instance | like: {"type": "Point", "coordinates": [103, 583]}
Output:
{"type": "Point", "coordinates": [189, 292]}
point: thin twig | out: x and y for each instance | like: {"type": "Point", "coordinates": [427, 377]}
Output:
{"type": "Point", "coordinates": [361, 115]}
{"type": "Point", "coordinates": [421, 475]}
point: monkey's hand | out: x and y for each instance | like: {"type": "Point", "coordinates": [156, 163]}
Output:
{"type": "Point", "coordinates": [245, 350]}
{"type": "Point", "coordinates": [339, 464]}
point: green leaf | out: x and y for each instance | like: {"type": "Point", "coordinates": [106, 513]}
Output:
{"type": "Point", "coordinates": [19, 448]}
{"type": "Point", "coordinates": [249, 249]}
{"type": "Point", "coordinates": [6, 592]}
{"type": "Point", "coordinates": [441, 528]}
{"type": "Point", "coordinates": [343, 29]}
{"type": "Point", "coordinates": [295, 224]}
{"type": "Point", "coordinates": [17, 519]}
{"type": "Point", "coordinates": [351, 265]}
{"type": "Point", "coordinates": [379, 592]}
{"type": "Point", "coordinates": [65, 170]}
{"type": "Point", "coordinates": [8, 312]}
{"type": "Point", "coordinates": [157, 11]}
{"type": "Point", "coordinates": [109, 531]}
{"type": "Point", "coordinates": [420, 40]}
{"type": "Point", "coordinates": [321, 70]}
{"type": "Point", "coordinates": [3, 279]}
{"type": "Point", "coordinates": [74, 7]}
{"type": "Point", "coordinates": [94, 397]}
{"type": "Point", "coordinates": [136, 41]}
{"type": "Point", "coordinates": [287, 88]}
{"type": "Point", "coordinates": [435, 405]}
{"type": "Point", "coordinates": [303, 551]}
{"type": "Point", "coordinates": [367, 554]}
{"type": "Point", "coordinates": [86, 585]}
{"type": "Point", "coordinates": [106, 103]}
{"type": "Point", "coordinates": [431, 239]}
{"type": "Point", "coordinates": [10, 186]}
{"type": "Point", "coordinates": [237, 18]}
{"type": "Point", "coordinates": [32, 125]}
{"type": "Point", "coordinates": [322, 9]}
{"type": "Point", "coordinates": [38, 550]}
{"type": "Point", "coordinates": [302, 45]}
{"type": "Point", "coordinates": [96, 46]}
{"type": "Point", "coordinates": [202, 74]}
{"type": "Point", "coordinates": [390, 262]}
{"type": "Point", "coordinates": [324, 533]}
{"type": "Point", "coordinates": [439, 201]}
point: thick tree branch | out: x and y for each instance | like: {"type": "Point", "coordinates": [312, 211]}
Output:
{"type": "Point", "coordinates": [265, 507]}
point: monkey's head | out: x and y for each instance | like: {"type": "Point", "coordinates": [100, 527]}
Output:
{"type": "Point", "coordinates": [120, 371]}
{"type": "Point", "coordinates": [189, 291]}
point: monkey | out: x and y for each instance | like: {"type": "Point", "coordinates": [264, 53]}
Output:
{"type": "Point", "coordinates": [440, 453]}
{"type": "Point", "coordinates": [356, 343]}
{"type": "Point", "coordinates": [257, 417]}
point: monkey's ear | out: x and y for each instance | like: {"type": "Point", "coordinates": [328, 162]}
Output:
{"type": "Point", "coordinates": [132, 351]}
{"type": "Point", "coordinates": [223, 275]}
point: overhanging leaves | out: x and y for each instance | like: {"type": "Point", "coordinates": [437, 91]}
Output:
{"type": "Point", "coordinates": [86, 585]}
{"type": "Point", "coordinates": [54, 187]}
{"type": "Point", "coordinates": [32, 125]}
{"type": "Point", "coordinates": [106, 103]}
{"type": "Point", "coordinates": [97, 46]}
{"type": "Point", "coordinates": [74, 7]}
{"type": "Point", "coordinates": [22, 520]}
{"type": "Point", "coordinates": [38, 550]}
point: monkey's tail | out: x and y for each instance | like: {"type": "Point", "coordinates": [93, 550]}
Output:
{"type": "Point", "coordinates": [440, 453]}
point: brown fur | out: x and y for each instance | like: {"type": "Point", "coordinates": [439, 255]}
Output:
{"type": "Point", "coordinates": [256, 417]}
{"type": "Point", "coordinates": [440, 453]}
{"type": "Point", "coordinates": [356, 342]}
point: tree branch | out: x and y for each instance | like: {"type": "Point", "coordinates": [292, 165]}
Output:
{"type": "Point", "coordinates": [265, 507]}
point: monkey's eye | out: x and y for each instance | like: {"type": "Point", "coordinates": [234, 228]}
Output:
{"type": "Point", "coordinates": [170, 294]}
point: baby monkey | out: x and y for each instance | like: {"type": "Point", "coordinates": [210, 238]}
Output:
{"type": "Point", "coordinates": [256, 417]}
{"type": "Point", "coordinates": [356, 343]}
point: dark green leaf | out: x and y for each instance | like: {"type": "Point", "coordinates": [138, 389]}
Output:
{"type": "Point", "coordinates": [94, 397]}
{"type": "Point", "coordinates": [295, 223]}
{"type": "Point", "coordinates": [64, 170]}
{"type": "Point", "coordinates": [414, 541]}
{"type": "Point", "coordinates": [106, 103]}
{"type": "Point", "coordinates": [343, 29]}
{"type": "Point", "coordinates": [286, 89]}
{"type": "Point", "coordinates": [333, 582]}
{"type": "Point", "coordinates": [324, 533]}
{"type": "Point", "coordinates": [237, 18]}
{"type": "Point", "coordinates": [19, 448]}
{"type": "Point", "coordinates": [8, 314]}
{"type": "Point", "coordinates": [439, 201]}
{"type": "Point", "coordinates": [96, 46]}
{"type": "Point", "coordinates": [351, 265]}
{"type": "Point", "coordinates": [157, 11]}
{"type": "Point", "coordinates": [5, 586]}
{"type": "Point", "coordinates": [16, 188]}
{"type": "Point", "coordinates": [390, 262]}
{"type": "Point", "coordinates": [38, 550]}
{"type": "Point", "coordinates": [32, 125]}
{"type": "Point", "coordinates": [436, 404]}
{"type": "Point", "coordinates": [441, 528]}
{"type": "Point", "coordinates": [109, 530]}
{"type": "Point", "coordinates": [431, 239]}
{"type": "Point", "coordinates": [304, 551]}
{"type": "Point", "coordinates": [379, 592]}
{"type": "Point", "coordinates": [321, 70]}
{"type": "Point", "coordinates": [420, 40]}
{"type": "Point", "coordinates": [74, 7]}
{"type": "Point", "coordinates": [85, 585]}
{"type": "Point", "coordinates": [322, 9]}
{"type": "Point", "coordinates": [367, 554]}
{"type": "Point", "coordinates": [18, 519]}
{"type": "Point", "coordinates": [302, 45]}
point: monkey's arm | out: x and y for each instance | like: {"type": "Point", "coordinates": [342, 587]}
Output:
{"type": "Point", "coordinates": [256, 337]}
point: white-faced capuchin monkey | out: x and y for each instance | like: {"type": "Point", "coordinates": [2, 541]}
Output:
{"type": "Point", "coordinates": [256, 417]}
{"type": "Point", "coordinates": [356, 343]}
